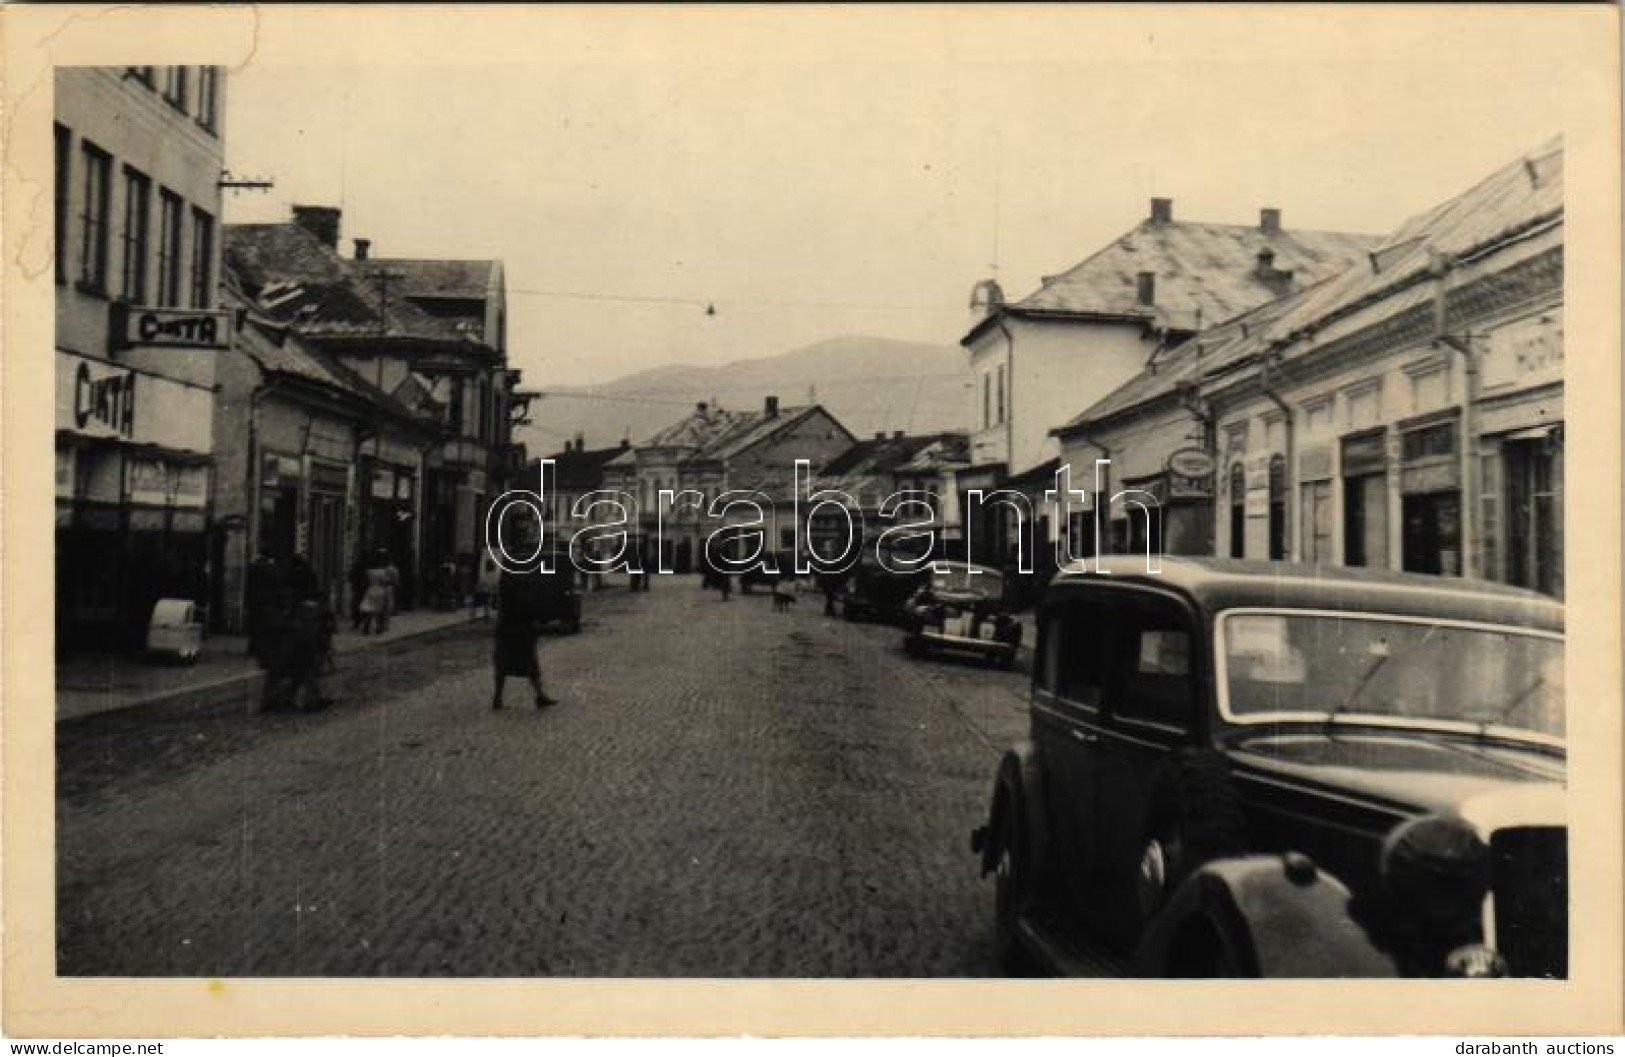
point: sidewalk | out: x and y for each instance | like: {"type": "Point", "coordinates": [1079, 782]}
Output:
{"type": "Point", "coordinates": [88, 684]}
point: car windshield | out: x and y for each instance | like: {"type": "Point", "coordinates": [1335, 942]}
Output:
{"type": "Point", "coordinates": [1340, 666]}
{"type": "Point", "coordinates": [959, 580]}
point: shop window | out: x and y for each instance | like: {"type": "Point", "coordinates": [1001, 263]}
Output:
{"type": "Point", "coordinates": [1533, 480]}
{"type": "Point", "coordinates": [1238, 512]}
{"type": "Point", "coordinates": [1432, 537]}
{"type": "Point", "coordinates": [93, 209]}
{"type": "Point", "coordinates": [137, 221]}
{"type": "Point", "coordinates": [64, 153]}
{"type": "Point", "coordinates": [1277, 507]}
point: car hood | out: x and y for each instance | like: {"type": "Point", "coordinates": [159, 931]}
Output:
{"type": "Point", "coordinates": [1437, 773]}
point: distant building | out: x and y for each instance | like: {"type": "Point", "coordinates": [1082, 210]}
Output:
{"type": "Point", "coordinates": [577, 471]}
{"type": "Point", "coordinates": [872, 471]}
{"type": "Point", "coordinates": [138, 328]}
{"type": "Point", "coordinates": [711, 451]}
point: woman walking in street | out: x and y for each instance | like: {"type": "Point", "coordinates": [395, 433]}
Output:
{"type": "Point", "coordinates": [518, 618]}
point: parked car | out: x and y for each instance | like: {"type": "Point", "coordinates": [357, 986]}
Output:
{"type": "Point", "coordinates": [1249, 769]}
{"type": "Point", "coordinates": [871, 591]}
{"type": "Point", "coordinates": [962, 608]}
{"type": "Point", "coordinates": [557, 593]}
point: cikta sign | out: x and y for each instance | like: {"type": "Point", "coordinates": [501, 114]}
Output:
{"type": "Point", "coordinates": [171, 328]}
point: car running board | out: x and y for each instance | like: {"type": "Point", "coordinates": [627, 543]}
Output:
{"type": "Point", "coordinates": [1060, 957]}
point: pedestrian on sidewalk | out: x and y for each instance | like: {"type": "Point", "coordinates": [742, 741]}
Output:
{"type": "Point", "coordinates": [358, 587]}
{"type": "Point", "coordinates": [261, 593]}
{"type": "Point", "coordinates": [375, 599]}
{"type": "Point", "coordinates": [518, 625]}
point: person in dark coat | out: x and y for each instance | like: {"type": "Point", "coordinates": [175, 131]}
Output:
{"type": "Point", "coordinates": [265, 583]}
{"type": "Point", "coordinates": [517, 627]}
{"type": "Point", "coordinates": [358, 587]}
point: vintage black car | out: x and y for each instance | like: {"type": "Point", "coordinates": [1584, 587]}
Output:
{"type": "Point", "coordinates": [871, 591]}
{"type": "Point", "coordinates": [555, 596]}
{"type": "Point", "coordinates": [961, 608]}
{"type": "Point", "coordinates": [1254, 769]}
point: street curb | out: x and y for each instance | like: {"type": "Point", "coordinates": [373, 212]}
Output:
{"type": "Point", "coordinates": [240, 694]}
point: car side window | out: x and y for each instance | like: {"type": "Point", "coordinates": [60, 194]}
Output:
{"type": "Point", "coordinates": [1159, 677]}
{"type": "Point", "coordinates": [1079, 651]}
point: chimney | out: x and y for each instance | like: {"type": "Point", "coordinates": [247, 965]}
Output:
{"type": "Point", "coordinates": [1146, 288]}
{"type": "Point", "coordinates": [581, 442]}
{"type": "Point", "coordinates": [320, 221]}
{"type": "Point", "coordinates": [626, 442]}
{"type": "Point", "coordinates": [880, 434]}
{"type": "Point", "coordinates": [1269, 221]}
{"type": "Point", "coordinates": [1162, 210]}
{"type": "Point", "coordinates": [1279, 280]}
{"type": "Point", "coordinates": [569, 446]}
{"type": "Point", "coordinates": [897, 434]}
{"type": "Point", "coordinates": [770, 407]}
{"type": "Point", "coordinates": [701, 408]}
{"type": "Point", "coordinates": [362, 248]}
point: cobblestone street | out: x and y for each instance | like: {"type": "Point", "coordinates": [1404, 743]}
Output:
{"type": "Point", "coordinates": [724, 791]}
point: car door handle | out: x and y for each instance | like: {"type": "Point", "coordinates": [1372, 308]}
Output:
{"type": "Point", "coordinates": [1087, 737]}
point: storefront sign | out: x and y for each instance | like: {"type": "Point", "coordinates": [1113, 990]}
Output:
{"type": "Point", "coordinates": [1191, 462]}
{"type": "Point", "coordinates": [1528, 352]}
{"type": "Point", "coordinates": [1190, 474]}
{"type": "Point", "coordinates": [95, 398]}
{"type": "Point", "coordinates": [172, 328]}
{"type": "Point", "coordinates": [103, 400]}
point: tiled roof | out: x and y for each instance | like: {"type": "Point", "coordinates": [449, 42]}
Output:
{"type": "Point", "coordinates": [277, 349]}
{"type": "Point", "coordinates": [575, 469]}
{"type": "Point", "coordinates": [1205, 273]}
{"type": "Point", "coordinates": [1521, 196]}
{"type": "Point", "coordinates": [1210, 353]}
{"type": "Point", "coordinates": [750, 428]}
{"type": "Point", "coordinates": [1526, 194]}
{"type": "Point", "coordinates": [435, 278]}
{"type": "Point", "coordinates": [884, 455]}
{"type": "Point", "coordinates": [298, 280]}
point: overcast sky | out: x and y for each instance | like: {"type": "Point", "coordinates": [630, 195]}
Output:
{"type": "Point", "coordinates": [809, 200]}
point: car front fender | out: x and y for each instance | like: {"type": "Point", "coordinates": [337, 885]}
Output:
{"type": "Point", "coordinates": [1273, 915]}
{"type": "Point", "coordinates": [1018, 787]}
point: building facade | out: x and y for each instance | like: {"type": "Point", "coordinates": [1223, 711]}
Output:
{"type": "Point", "coordinates": [1409, 414]}
{"type": "Point", "coordinates": [138, 158]}
{"type": "Point", "coordinates": [432, 336]}
{"type": "Point", "coordinates": [1405, 413]}
{"type": "Point", "coordinates": [1089, 330]}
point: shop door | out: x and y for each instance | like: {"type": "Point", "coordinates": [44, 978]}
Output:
{"type": "Point", "coordinates": [1432, 541]}
{"type": "Point", "coordinates": [1534, 557]}
{"type": "Point", "coordinates": [1316, 531]}
{"type": "Point", "coordinates": [1365, 521]}
{"type": "Point", "coordinates": [327, 544]}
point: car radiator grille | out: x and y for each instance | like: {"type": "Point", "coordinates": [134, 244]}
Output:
{"type": "Point", "coordinates": [1530, 879]}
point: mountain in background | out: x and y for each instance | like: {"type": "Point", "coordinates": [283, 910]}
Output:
{"type": "Point", "coordinates": [869, 384]}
